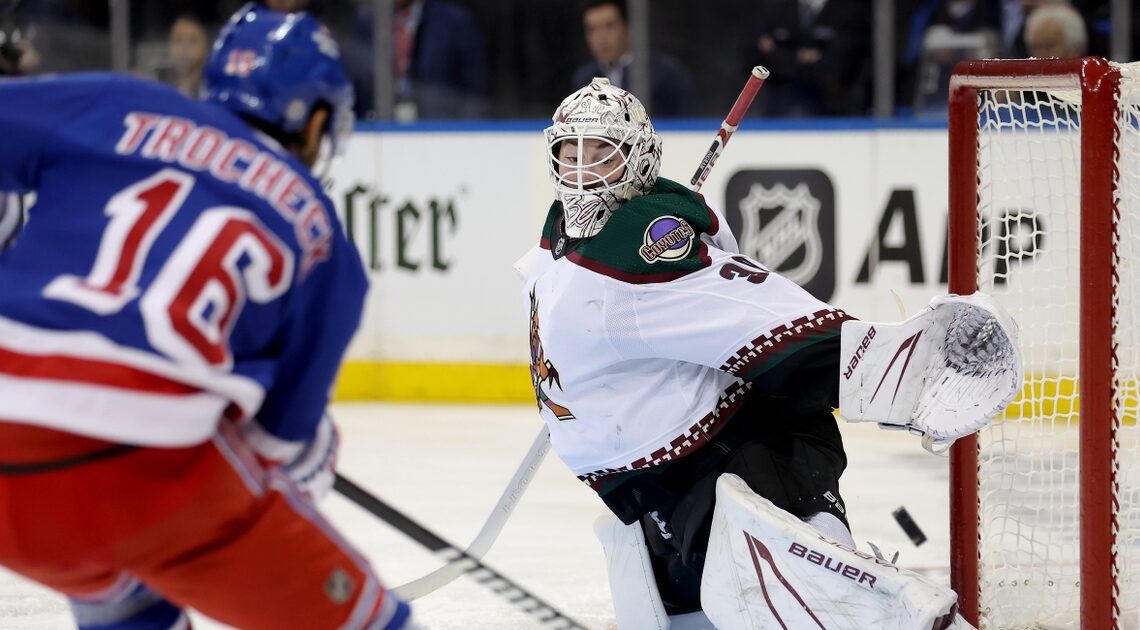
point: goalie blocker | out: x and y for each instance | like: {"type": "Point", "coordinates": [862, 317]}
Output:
{"type": "Point", "coordinates": [944, 373]}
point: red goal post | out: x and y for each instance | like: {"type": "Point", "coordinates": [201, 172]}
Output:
{"type": "Point", "coordinates": [1044, 207]}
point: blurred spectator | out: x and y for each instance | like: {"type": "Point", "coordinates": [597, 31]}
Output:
{"type": "Point", "coordinates": [285, 6]}
{"type": "Point", "coordinates": [533, 74]}
{"type": "Point", "coordinates": [439, 57]}
{"type": "Point", "coordinates": [1013, 16]}
{"type": "Point", "coordinates": [1055, 30]}
{"type": "Point", "coordinates": [17, 54]}
{"type": "Point", "coordinates": [959, 16]}
{"type": "Point", "coordinates": [189, 45]}
{"type": "Point", "coordinates": [606, 24]}
{"type": "Point", "coordinates": [819, 52]}
{"type": "Point", "coordinates": [338, 15]}
{"type": "Point", "coordinates": [942, 33]}
{"type": "Point", "coordinates": [1052, 29]}
{"type": "Point", "coordinates": [1098, 19]}
{"type": "Point", "coordinates": [68, 35]}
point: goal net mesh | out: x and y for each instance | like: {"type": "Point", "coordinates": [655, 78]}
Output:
{"type": "Point", "coordinates": [1028, 256]}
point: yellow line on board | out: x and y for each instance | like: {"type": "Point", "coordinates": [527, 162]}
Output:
{"type": "Point", "coordinates": [434, 382]}
{"type": "Point", "coordinates": [1042, 396]}
{"type": "Point", "coordinates": [1059, 398]}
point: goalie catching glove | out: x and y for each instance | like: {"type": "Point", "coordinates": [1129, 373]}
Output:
{"type": "Point", "coordinates": [944, 373]}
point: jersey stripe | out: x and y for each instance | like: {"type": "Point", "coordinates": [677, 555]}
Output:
{"type": "Point", "coordinates": [139, 418]}
{"type": "Point", "coordinates": [57, 367]}
{"type": "Point", "coordinates": [700, 432]}
{"type": "Point", "coordinates": [65, 379]}
{"type": "Point", "coordinates": [755, 357]}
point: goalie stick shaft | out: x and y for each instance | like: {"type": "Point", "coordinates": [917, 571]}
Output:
{"type": "Point", "coordinates": [543, 612]}
{"type": "Point", "coordinates": [728, 127]}
{"type": "Point", "coordinates": [491, 528]}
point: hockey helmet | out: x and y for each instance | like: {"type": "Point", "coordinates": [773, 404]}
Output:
{"type": "Point", "coordinates": [601, 111]}
{"type": "Point", "coordinates": [276, 67]}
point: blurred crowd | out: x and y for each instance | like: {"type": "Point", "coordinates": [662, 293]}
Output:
{"type": "Point", "coordinates": [461, 59]}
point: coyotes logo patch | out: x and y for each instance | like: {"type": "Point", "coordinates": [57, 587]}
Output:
{"type": "Point", "coordinates": [541, 370]}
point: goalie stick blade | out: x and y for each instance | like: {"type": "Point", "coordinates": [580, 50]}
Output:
{"type": "Point", "coordinates": [548, 615]}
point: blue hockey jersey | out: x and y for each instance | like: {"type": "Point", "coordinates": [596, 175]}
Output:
{"type": "Point", "coordinates": [177, 267]}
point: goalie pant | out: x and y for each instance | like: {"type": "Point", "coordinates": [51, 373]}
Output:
{"type": "Point", "coordinates": [792, 457]}
{"type": "Point", "coordinates": [204, 525]}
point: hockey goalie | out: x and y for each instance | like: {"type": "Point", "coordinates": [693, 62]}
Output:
{"type": "Point", "coordinates": [694, 390]}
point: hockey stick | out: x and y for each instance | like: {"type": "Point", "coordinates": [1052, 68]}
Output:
{"type": "Point", "coordinates": [488, 577]}
{"type": "Point", "coordinates": [731, 122]}
{"type": "Point", "coordinates": [490, 532]}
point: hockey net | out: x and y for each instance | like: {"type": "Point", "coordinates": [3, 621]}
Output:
{"type": "Point", "coordinates": [1045, 216]}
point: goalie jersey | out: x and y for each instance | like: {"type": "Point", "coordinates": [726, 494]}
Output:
{"type": "Point", "coordinates": [176, 267]}
{"type": "Point", "coordinates": [647, 338]}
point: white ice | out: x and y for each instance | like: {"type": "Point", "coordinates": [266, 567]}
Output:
{"type": "Point", "coordinates": [446, 465]}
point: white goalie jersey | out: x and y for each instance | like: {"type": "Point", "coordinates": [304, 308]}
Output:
{"type": "Point", "coordinates": [645, 338]}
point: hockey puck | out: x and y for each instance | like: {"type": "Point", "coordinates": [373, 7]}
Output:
{"type": "Point", "coordinates": [909, 526]}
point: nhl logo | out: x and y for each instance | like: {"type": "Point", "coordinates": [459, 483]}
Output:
{"type": "Point", "coordinates": [777, 223]}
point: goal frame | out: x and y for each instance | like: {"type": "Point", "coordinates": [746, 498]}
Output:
{"type": "Point", "coordinates": [1099, 85]}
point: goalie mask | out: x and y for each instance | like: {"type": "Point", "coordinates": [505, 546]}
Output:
{"type": "Point", "coordinates": [603, 152]}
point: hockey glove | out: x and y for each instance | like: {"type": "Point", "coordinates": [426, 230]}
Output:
{"type": "Point", "coordinates": [314, 469]}
{"type": "Point", "coordinates": [310, 465]}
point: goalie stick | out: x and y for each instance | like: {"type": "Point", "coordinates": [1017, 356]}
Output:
{"type": "Point", "coordinates": [728, 127]}
{"type": "Point", "coordinates": [490, 531]}
{"type": "Point", "coordinates": [534, 457]}
{"type": "Point", "coordinates": [548, 615]}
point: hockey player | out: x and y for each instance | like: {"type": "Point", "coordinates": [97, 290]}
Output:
{"type": "Point", "coordinates": [171, 322]}
{"type": "Point", "coordinates": [663, 361]}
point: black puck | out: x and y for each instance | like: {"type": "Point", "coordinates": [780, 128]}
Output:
{"type": "Point", "coordinates": [909, 526]}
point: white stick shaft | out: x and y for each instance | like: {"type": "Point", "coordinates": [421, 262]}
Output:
{"type": "Point", "coordinates": [490, 532]}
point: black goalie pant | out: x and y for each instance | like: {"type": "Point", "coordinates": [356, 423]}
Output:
{"type": "Point", "coordinates": [794, 462]}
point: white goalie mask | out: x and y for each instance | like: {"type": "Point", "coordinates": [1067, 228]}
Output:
{"type": "Point", "coordinates": [611, 154]}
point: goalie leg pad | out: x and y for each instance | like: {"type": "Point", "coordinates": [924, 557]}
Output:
{"type": "Point", "coordinates": [637, 603]}
{"type": "Point", "coordinates": [767, 569]}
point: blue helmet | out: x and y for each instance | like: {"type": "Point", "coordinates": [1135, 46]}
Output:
{"type": "Point", "coordinates": [276, 67]}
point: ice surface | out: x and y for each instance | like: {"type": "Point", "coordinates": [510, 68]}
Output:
{"type": "Point", "coordinates": [446, 465]}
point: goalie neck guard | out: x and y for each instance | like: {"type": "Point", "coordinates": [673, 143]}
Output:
{"type": "Point", "coordinates": [613, 116]}
{"type": "Point", "coordinates": [276, 67]}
